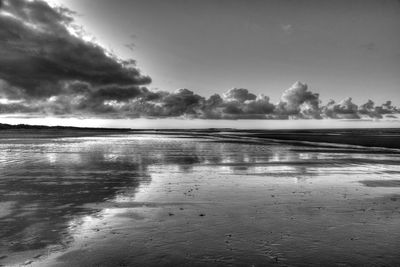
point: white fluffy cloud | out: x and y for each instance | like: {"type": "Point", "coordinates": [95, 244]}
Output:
{"type": "Point", "coordinates": [299, 101]}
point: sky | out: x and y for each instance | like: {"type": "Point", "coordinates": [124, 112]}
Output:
{"type": "Point", "coordinates": [192, 59]}
{"type": "Point", "coordinates": [340, 48]}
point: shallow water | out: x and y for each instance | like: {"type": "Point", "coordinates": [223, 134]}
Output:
{"type": "Point", "coordinates": [166, 200]}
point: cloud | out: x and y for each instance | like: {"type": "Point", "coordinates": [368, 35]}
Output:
{"type": "Point", "coordinates": [287, 28]}
{"type": "Point", "coordinates": [48, 69]}
{"type": "Point", "coordinates": [236, 104]}
{"type": "Point", "coordinates": [369, 46]}
{"type": "Point", "coordinates": [346, 106]}
{"type": "Point", "coordinates": [80, 99]}
{"type": "Point", "coordinates": [386, 108]}
{"type": "Point", "coordinates": [17, 108]}
{"type": "Point", "coordinates": [298, 101]}
{"type": "Point", "coordinates": [130, 46]}
{"type": "Point", "coordinates": [182, 101]}
{"type": "Point", "coordinates": [260, 105]}
{"type": "Point", "coordinates": [239, 94]}
{"type": "Point", "coordinates": [345, 109]}
{"type": "Point", "coordinates": [38, 54]}
{"type": "Point", "coordinates": [369, 109]}
{"type": "Point", "coordinates": [115, 92]}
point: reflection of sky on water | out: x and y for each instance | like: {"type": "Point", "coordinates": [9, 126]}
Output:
{"type": "Point", "coordinates": [46, 185]}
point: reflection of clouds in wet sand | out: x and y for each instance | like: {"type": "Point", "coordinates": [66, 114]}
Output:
{"type": "Point", "coordinates": [129, 200]}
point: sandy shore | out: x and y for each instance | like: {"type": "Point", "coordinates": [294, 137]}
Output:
{"type": "Point", "coordinates": [379, 138]}
{"type": "Point", "coordinates": [172, 200]}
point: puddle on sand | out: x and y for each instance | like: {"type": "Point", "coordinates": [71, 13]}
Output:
{"type": "Point", "coordinates": [128, 200]}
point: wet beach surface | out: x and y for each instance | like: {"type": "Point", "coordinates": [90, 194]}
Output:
{"type": "Point", "coordinates": [156, 200]}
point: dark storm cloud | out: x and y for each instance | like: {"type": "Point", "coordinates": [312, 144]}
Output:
{"type": "Point", "coordinates": [118, 93]}
{"type": "Point", "coordinates": [17, 108]}
{"type": "Point", "coordinates": [38, 53]}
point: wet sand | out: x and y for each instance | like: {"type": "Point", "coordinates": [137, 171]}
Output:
{"type": "Point", "coordinates": [374, 137]}
{"type": "Point", "coordinates": [203, 200]}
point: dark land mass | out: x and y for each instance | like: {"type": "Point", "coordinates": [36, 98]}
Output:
{"type": "Point", "coordinates": [377, 137]}
{"type": "Point", "coordinates": [39, 131]}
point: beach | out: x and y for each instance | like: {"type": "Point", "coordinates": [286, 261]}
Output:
{"type": "Point", "coordinates": [199, 198]}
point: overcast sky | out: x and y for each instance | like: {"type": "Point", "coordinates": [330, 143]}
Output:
{"type": "Point", "coordinates": [340, 48]}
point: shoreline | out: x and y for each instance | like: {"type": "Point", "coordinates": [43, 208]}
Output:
{"type": "Point", "coordinates": [371, 138]}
